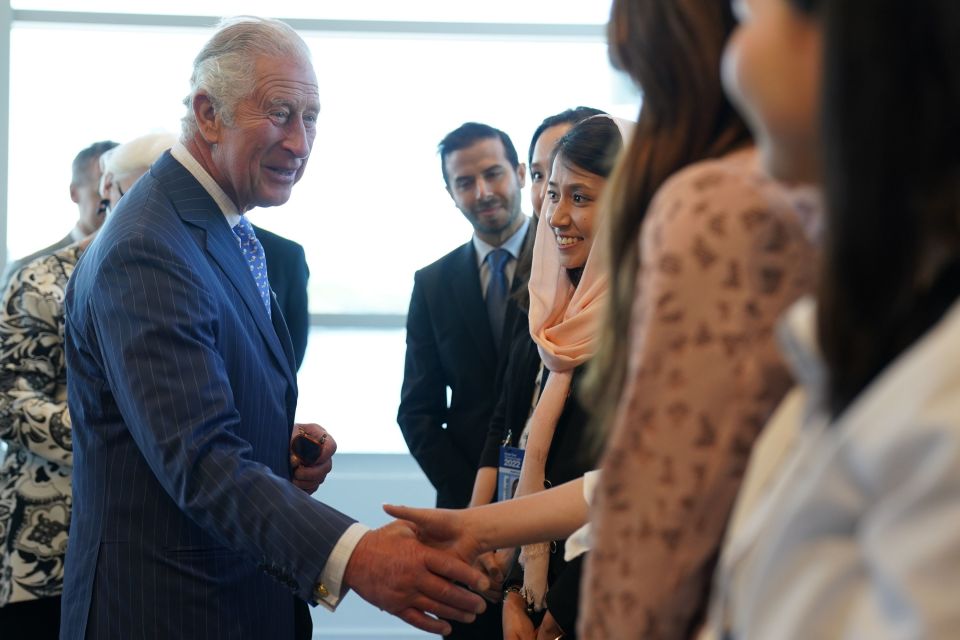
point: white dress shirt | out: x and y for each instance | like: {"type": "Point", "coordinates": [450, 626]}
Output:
{"type": "Point", "coordinates": [851, 528]}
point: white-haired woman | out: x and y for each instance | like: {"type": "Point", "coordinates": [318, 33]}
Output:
{"type": "Point", "coordinates": [35, 490]}
{"type": "Point", "coordinates": [123, 165]}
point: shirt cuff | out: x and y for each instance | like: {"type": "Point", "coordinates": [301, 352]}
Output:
{"type": "Point", "coordinates": [329, 589]}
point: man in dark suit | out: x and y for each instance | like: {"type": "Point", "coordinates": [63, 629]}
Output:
{"type": "Point", "coordinates": [456, 319]}
{"type": "Point", "coordinates": [192, 518]}
{"type": "Point", "coordinates": [85, 193]}
{"type": "Point", "coordinates": [288, 271]}
{"type": "Point", "coordinates": [453, 335]}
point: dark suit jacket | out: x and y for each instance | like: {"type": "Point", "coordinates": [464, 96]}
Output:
{"type": "Point", "coordinates": [450, 344]}
{"type": "Point", "coordinates": [288, 272]}
{"type": "Point", "coordinates": [182, 395]}
{"type": "Point", "coordinates": [569, 457]}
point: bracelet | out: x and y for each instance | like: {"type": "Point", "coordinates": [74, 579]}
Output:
{"type": "Point", "coordinates": [518, 589]}
{"type": "Point", "coordinates": [514, 588]}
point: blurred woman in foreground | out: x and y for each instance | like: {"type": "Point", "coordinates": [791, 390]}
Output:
{"type": "Point", "coordinates": [848, 524]}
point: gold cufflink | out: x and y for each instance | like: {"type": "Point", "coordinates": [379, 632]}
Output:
{"type": "Point", "coordinates": [321, 592]}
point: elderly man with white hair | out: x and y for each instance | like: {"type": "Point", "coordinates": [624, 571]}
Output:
{"type": "Point", "coordinates": [193, 515]}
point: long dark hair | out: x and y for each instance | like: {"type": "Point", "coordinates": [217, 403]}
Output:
{"type": "Point", "coordinates": [672, 50]}
{"type": "Point", "coordinates": [891, 167]}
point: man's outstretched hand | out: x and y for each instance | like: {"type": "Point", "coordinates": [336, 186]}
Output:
{"type": "Point", "coordinates": [391, 569]}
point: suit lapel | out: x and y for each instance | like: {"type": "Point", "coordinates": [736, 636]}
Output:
{"type": "Point", "coordinates": [196, 207]}
{"type": "Point", "coordinates": [465, 289]}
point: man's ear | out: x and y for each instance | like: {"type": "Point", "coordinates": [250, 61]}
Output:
{"type": "Point", "coordinates": [209, 121]}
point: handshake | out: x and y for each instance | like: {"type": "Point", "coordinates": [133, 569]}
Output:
{"type": "Point", "coordinates": [412, 567]}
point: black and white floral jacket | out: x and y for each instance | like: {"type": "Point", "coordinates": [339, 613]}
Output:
{"type": "Point", "coordinates": [35, 494]}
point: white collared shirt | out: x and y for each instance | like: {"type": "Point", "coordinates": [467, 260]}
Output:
{"type": "Point", "coordinates": [227, 206]}
{"type": "Point", "coordinates": [848, 528]}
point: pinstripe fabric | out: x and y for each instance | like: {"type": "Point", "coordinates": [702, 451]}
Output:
{"type": "Point", "coordinates": [182, 398]}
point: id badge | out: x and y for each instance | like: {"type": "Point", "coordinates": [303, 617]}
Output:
{"type": "Point", "coordinates": [508, 475]}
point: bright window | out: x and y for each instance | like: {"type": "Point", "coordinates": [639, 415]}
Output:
{"type": "Point", "coordinates": [500, 11]}
{"type": "Point", "coordinates": [371, 208]}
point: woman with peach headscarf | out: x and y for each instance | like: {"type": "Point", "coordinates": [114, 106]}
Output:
{"type": "Point", "coordinates": [568, 285]}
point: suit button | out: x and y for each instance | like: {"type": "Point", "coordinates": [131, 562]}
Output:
{"type": "Point", "coordinates": [547, 484]}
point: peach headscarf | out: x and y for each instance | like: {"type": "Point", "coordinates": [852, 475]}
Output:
{"type": "Point", "coordinates": [563, 322]}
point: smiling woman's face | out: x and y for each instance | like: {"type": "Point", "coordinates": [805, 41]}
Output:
{"type": "Point", "coordinates": [771, 71]}
{"type": "Point", "coordinates": [570, 208]}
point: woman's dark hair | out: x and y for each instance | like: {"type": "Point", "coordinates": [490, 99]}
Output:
{"type": "Point", "coordinates": [891, 174]}
{"type": "Point", "coordinates": [570, 116]}
{"type": "Point", "coordinates": [672, 50]}
{"type": "Point", "coordinates": [591, 145]}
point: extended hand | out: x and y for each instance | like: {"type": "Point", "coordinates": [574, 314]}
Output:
{"type": "Point", "coordinates": [549, 629]}
{"type": "Point", "coordinates": [516, 623]}
{"type": "Point", "coordinates": [391, 569]}
{"type": "Point", "coordinates": [309, 478]}
{"type": "Point", "coordinates": [442, 529]}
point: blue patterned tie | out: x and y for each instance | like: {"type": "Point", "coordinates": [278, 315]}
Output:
{"type": "Point", "coordinates": [497, 291]}
{"type": "Point", "coordinates": [253, 255]}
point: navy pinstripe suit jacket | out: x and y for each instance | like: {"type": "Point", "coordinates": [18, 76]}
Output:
{"type": "Point", "coordinates": [182, 396]}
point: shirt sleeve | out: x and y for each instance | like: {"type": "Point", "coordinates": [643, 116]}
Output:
{"type": "Point", "coordinates": [330, 590]}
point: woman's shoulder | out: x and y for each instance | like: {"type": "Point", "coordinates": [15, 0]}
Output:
{"type": "Point", "coordinates": [707, 192]}
{"type": "Point", "coordinates": [736, 174]}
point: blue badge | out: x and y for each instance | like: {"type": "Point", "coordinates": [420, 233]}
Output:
{"type": "Point", "coordinates": [508, 476]}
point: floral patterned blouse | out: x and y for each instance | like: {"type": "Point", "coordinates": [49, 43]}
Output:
{"type": "Point", "coordinates": [35, 494]}
{"type": "Point", "coordinates": [723, 252]}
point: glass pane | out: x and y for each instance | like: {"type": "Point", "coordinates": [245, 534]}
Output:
{"type": "Point", "coordinates": [371, 208]}
{"type": "Point", "coordinates": [502, 11]}
{"type": "Point", "coordinates": [103, 83]}
{"type": "Point", "coordinates": [350, 383]}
